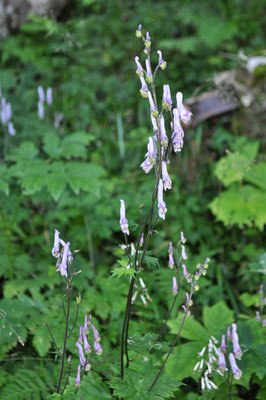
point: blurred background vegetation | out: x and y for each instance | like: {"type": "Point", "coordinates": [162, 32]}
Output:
{"type": "Point", "coordinates": [72, 177]}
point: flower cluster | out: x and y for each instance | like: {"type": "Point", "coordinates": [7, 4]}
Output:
{"type": "Point", "coordinates": [6, 114]}
{"type": "Point", "coordinates": [142, 290]}
{"type": "Point", "coordinates": [159, 144]}
{"type": "Point", "coordinates": [64, 256]}
{"type": "Point", "coordinates": [216, 359]}
{"type": "Point", "coordinates": [48, 98]}
{"type": "Point", "coordinates": [84, 347]}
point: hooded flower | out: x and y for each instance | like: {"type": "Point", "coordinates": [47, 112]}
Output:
{"type": "Point", "coordinates": [151, 155]}
{"type": "Point", "coordinates": [223, 344]}
{"type": "Point", "coordinates": [147, 41]}
{"type": "Point", "coordinates": [174, 287]}
{"type": "Point", "coordinates": [144, 87]}
{"type": "Point", "coordinates": [167, 183]}
{"type": "Point", "coordinates": [236, 348]}
{"type": "Point", "coordinates": [82, 359]}
{"type": "Point", "coordinates": [164, 138]}
{"type": "Point", "coordinates": [186, 274]}
{"type": "Point", "coordinates": [182, 237]}
{"type": "Point", "coordinates": [41, 94]}
{"type": "Point", "coordinates": [149, 77]}
{"type": "Point", "coordinates": [138, 31]}
{"type": "Point", "coordinates": [153, 108]}
{"type": "Point", "coordinates": [139, 70]}
{"type": "Point", "coordinates": [49, 96]}
{"type": "Point", "coordinates": [183, 252]}
{"type": "Point", "coordinates": [40, 110]}
{"type": "Point", "coordinates": [167, 99]}
{"type": "Point", "coordinates": [161, 62]}
{"type": "Point", "coordinates": [87, 347]}
{"type": "Point", "coordinates": [80, 339]}
{"type": "Point", "coordinates": [221, 362]}
{"type": "Point", "coordinates": [161, 204]}
{"type": "Point", "coordinates": [236, 371]}
{"type": "Point", "coordinates": [185, 115]}
{"type": "Point", "coordinates": [11, 129]}
{"type": "Point", "coordinates": [55, 250]}
{"type": "Point", "coordinates": [77, 381]}
{"type": "Point", "coordinates": [95, 334]}
{"type": "Point", "coordinates": [178, 132]}
{"type": "Point", "coordinates": [98, 348]}
{"type": "Point", "coordinates": [123, 220]}
{"type": "Point", "coordinates": [63, 264]}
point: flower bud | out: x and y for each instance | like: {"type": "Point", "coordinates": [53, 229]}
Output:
{"type": "Point", "coordinates": [138, 31]}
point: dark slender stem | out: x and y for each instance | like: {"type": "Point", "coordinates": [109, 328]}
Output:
{"type": "Point", "coordinates": [53, 339]}
{"type": "Point", "coordinates": [65, 338]}
{"type": "Point", "coordinates": [67, 379]}
{"type": "Point", "coordinates": [74, 323]}
{"type": "Point", "coordinates": [169, 352]}
{"type": "Point", "coordinates": [63, 306]}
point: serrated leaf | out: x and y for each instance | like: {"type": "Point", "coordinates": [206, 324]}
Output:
{"type": "Point", "coordinates": [192, 329]}
{"type": "Point", "coordinates": [141, 344]}
{"type": "Point", "coordinates": [118, 272]}
{"type": "Point", "coordinates": [257, 175]}
{"type": "Point", "coordinates": [217, 318]}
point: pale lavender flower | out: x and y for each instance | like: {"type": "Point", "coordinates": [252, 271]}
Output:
{"type": "Point", "coordinates": [186, 274]}
{"type": "Point", "coordinates": [77, 381]}
{"type": "Point", "coordinates": [221, 362]}
{"type": "Point", "coordinates": [81, 331]}
{"type": "Point", "coordinates": [86, 328]}
{"type": "Point", "coordinates": [8, 112]}
{"type": "Point", "coordinates": [63, 264]}
{"type": "Point", "coordinates": [189, 301]}
{"type": "Point", "coordinates": [236, 371]}
{"type": "Point", "coordinates": [49, 96]}
{"type": "Point", "coordinates": [82, 359]}
{"type": "Point", "coordinates": [183, 252]}
{"type": "Point", "coordinates": [171, 263]}
{"type": "Point", "coordinates": [161, 62]}
{"type": "Point", "coordinates": [147, 41]}
{"type": "Point", "coordinates": [264, 322]}
{"type": "Point", "coordinates": [178, 132]}
{"type": "Point", "coordinates": [236, 348]}
{"type": "Point", "coordinates": [170, 250]}
{"type": "Point", "coordinates": [223, 344]}
{"type": "Point", "coordinates": [40, 110]}
{"type": "Point", "coordinates": [258, 318]}
{"type": "Point", "coordinates": [58, 119]}
{"type": "Point", "coordinates": [11, 129]}
{"type": "Point", "coordinates": [153, 108]}
{"type": "Point", "coordinates": [229, 336]}
{"type": "Point", "coordinates": [87, 347]}
{"type": "Point", "coordinates": [154, 125]}
{"type": "Point", "coordinates": [149, 77]}
{"type": "Point", "coordinates": [167, 99]}
{"type": "Point", "coordinates": [164, 138]}
{"type": "Point", "coordinates": [185, 115]}
{"type": "Point", "coordinates": [95, 334]}
{"type": "Point", "coordinates": [138, 31]}
{"type": "Point", "coordinates": [55, 249]}
{"type": "Point", "coordinates": [174, 287]}
{"type": "Point", "coordinates": [139, 70]}
{"type": "Point", "coordinates": [167, 183]}
{"type": "Point", "coordinates": [141, 239]}
{"type": "Point", "coordinates": [98, 348]}
{"type": "Point", "coordinates": [41, 94]}
{"type": "Point", "coordinates": [161, 204]}
{"type": "Point", "coordinates": [183, 239]}
{"type": "Point", "coordinates": [144, 87]}
{"type": "Point", "coordinates": [123, 220]}
{"type": "Point", "coordinates": [151, 155]}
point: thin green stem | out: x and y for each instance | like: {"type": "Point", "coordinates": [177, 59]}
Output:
{"type": "Point", "coordinates": [53, 339]}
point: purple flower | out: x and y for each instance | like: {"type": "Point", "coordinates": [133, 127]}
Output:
{"type": "Point", "coordinates": [151, 155]}
{"type": "Point", "coordinates": [221, 362]}
{"type": "Point", "coordinates": [154, 125]}
{"type": "Point", "coordinates": [183, 252]}
{"type": "Point", "coordinates": [147, 41]}
{"type": "Point", "coordinates": [183, 239]}
{"type": "Point", "coordinates": [149, 77]}
{"type": "Point", "coordinates": [40, 110]}
{"type": "Point", "coordinates": [229, 336]}
{"type": "Point", "coordinates": [264, 322]}
{"type": "Point", "coordinates": [185, 115]}
{"type": "Point", "coordinates": [55, 249]}
{"type": "Point", "coordinates": [167, 183]}
{"type": "Point", "coordinates": [139, 70]}
{"type": "Point", "coordinates": [87, 347]}
{"type": "Point", "coordinates": [171, 263]}
{"type": "Point", "coordinates": [98, 348]}
{"type": "Point", "coordinates": [82, 359]}
{"type": "Point", "coordinates": [58, 118]}
{"type": "Point", "coordinates": [167, 99]}
{"type": "Point", "coordinates": [189, 301]}
{"type": "Point", "coordinates": [170, 250]}
{"type": "Point", "coordinates": [236, 348]}
{"type": "Point", "coordinates": [86, 329]}
{"type": "Point", "coordinates": [11, 129]}
{"type": "Point", "coordinates": [144, 87]}
{"type": "Point", "coordinates": [63, 264]}
{"type": "Point", "coordinates": [223, 345]}
{"type": "Point", "coordinates": [174, 287]}
{"type": "Point", "coordinates": [178, 132]}
{"type": "Point", "coordinates": [153, 108]}
{"type": "Point", "coordinates": [123, 220]}
{"type": "Point", "coordinates": [95, 334]}
{"type": "Point", "coordinates": [41, 94]}
{"type": "Point", "coordinates": [138, 31]}
{"type": "Point", "coordinates": [258, 318]}
{"type": "Point", "coordinates": [6, 111]}
{"type": "Point", "coordinates": [164, 138]}
{"type": "Point", "coordinates": [49, 96]}
{"type": "Point", "coordinates": [236, 371]}
{"type": "Point", "coordinates": [77, 381]}
{"type": "Point", "coordinates": [81, 331]}
{"type": "Point", "coordinates": [161, 62]}
{"type": "Point", "coordinates": [161, 204]}
{"type": "Point", "coordinates": [141, 239]}
{"type": "Point", "coordinates": [186, 274]}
